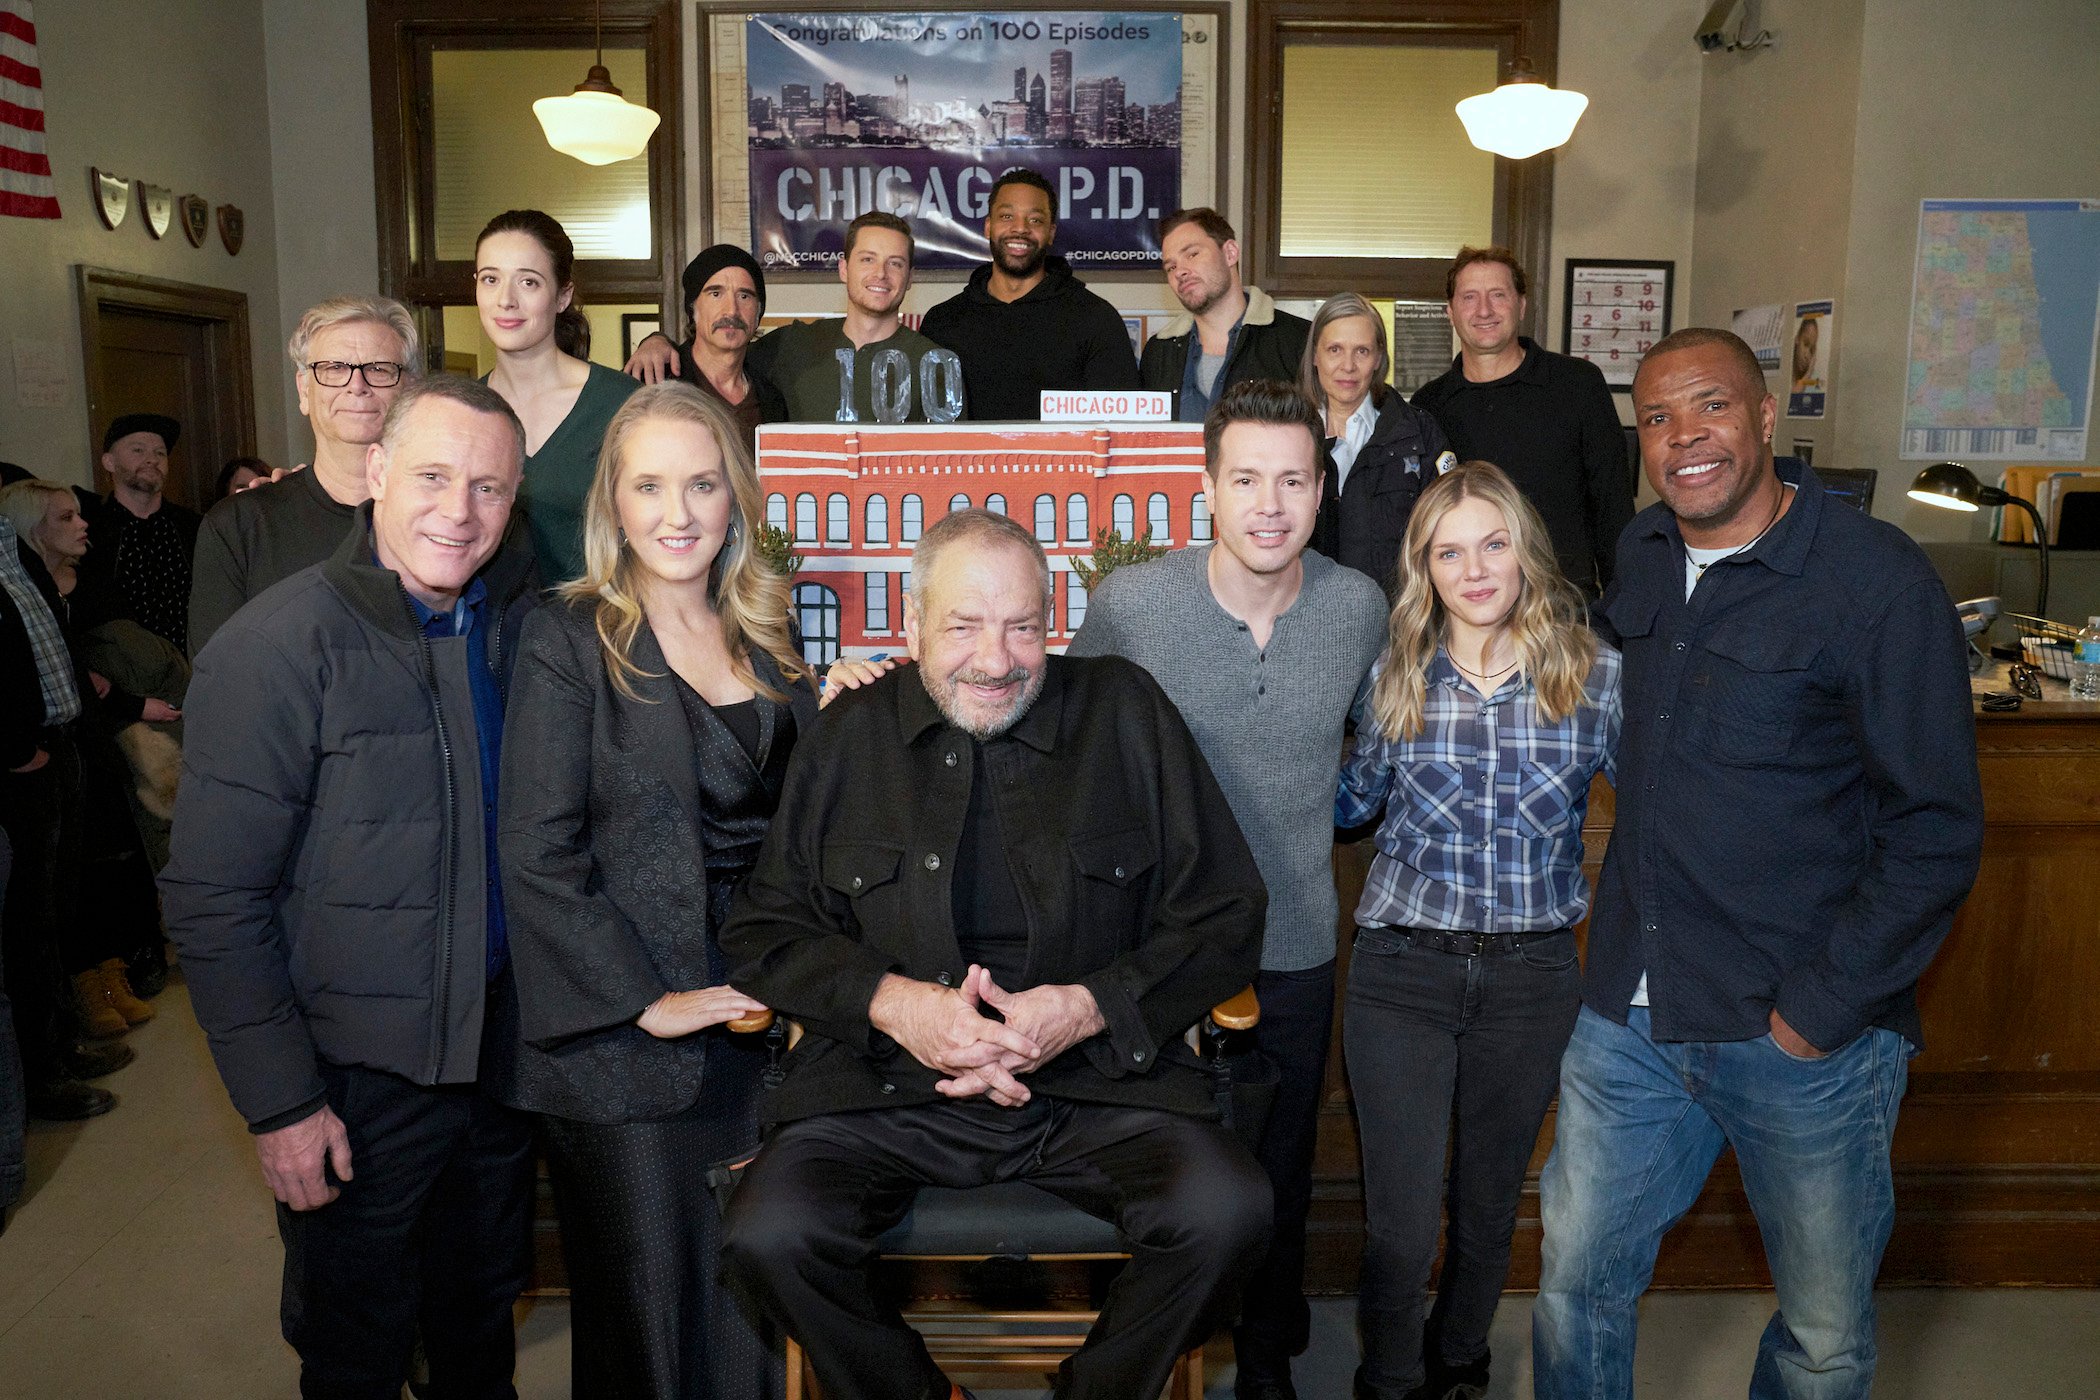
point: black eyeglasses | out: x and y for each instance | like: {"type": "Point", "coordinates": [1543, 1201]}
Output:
{"type": "Point", "coordinates": [334, 374]}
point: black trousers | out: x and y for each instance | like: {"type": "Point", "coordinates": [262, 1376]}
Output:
{"type": "Point", "coordinates": [431, 1236]}
{"type": "Point", "coordinates": [41, 813]}
{"type": "Point", "coordinates": [1297, 1022]}
{"type": "Point", "coordinates": [651, 1318]}
{"type": "Point", "coordinates": [1447, 1053]}
{"type": "Point", "coordinates": [1191, 1200]}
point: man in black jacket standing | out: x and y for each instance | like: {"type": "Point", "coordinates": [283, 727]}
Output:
{"type": "Point", "coordinates": [1025, 323]}
{"type": "Point", "coordinates": [997, 889]}
{"type": "Point", "coordinates": [1799, 818]}
{"type": "Point", "coordinates": [1232, 332]}
{"type": "Point", "coordinates": [1545, 419]}
{"type": "Point", "coordinates": [137, 536]}
{"type": "Point", "coordinates": [334, 890]}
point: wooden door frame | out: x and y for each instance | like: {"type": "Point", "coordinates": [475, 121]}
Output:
{"type": "Point", "coordinates": [223, 313]}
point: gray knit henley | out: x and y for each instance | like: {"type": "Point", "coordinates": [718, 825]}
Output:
{"type": "Point", "coordinates": [1268, 721]}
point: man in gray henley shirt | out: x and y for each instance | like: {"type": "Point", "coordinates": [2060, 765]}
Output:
{"type": "Point", "coordinates": [1263, 645]}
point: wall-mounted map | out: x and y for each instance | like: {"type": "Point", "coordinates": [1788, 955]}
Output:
{"type": "Point", "coordinates": [2005, 303]}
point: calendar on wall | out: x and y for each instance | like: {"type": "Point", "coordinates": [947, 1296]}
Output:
{"type": "Point", "coordinates": [1616, 309]}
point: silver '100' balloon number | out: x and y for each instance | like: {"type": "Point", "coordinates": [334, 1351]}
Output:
{"type": "Point", "coordinates": [890, 386]}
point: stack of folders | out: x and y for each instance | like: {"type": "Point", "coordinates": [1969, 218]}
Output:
{"type": "Point", "coordinates": [2068, 499]}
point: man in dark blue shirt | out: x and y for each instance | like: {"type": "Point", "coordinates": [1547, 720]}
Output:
{"type": "Point", "coordinates": [1799, 818]}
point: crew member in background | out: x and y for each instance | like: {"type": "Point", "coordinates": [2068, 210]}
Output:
{"type": "Point", "coordinates": [1231, 332]}
{"type": "Point", "coordinates": [1547, 420]}
{"type": "Point", "coordinates": [137, 537]}
{"type": "Point", "coordinates": [1025, 323]}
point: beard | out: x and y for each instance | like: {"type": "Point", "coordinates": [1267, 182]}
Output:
{"type": "Point", "coordinates": [1026, 266]}
{"type": "Point", "coordinates": [947, 698]}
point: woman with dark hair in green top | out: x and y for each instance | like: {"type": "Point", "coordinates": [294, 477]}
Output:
{"type": "Point", "coordinates": [525, 289]}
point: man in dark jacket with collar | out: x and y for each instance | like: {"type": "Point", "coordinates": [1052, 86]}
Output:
{"type": "Point", "coordinates": [1799, 818]}
{"type": "Point", "coordinates": [1231, 333]}
{"type": "Point", "coordinates": [997, 889]}
{"type": "Point", "coordinates": [1025, 323]}
{"type": "Point", "coordinates": [333, 888]}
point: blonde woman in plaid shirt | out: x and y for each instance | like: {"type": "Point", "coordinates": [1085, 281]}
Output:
{"type": "Point", "coordinates": [1491, 710]}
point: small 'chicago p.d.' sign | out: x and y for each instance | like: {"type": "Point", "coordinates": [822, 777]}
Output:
{"type": "Point", "coordinates": [1106, 406]}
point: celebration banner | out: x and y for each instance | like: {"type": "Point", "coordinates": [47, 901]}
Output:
{"type": "Point", "coordinates": [917, 115]}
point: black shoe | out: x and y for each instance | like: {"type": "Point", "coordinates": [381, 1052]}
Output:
{"type": "Point", "coordinates": [66, 1100]}
{"type": "Point", "coordinates": [148, 970]}
{"type": "Point", "coordinates": [1467, 1382]}
{"type": "Point", "coordinates": [92, 1060]}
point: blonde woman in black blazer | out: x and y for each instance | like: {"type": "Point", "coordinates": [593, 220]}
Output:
{"type": "Point", "coordinates": [649, 728]}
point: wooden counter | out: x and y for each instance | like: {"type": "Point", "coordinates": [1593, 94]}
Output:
{"type": "Point", "coordinates": [1998, 1144]}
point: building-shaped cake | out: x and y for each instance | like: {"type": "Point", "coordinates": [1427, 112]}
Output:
{"type": "Point", "coordinates": [856, 497]}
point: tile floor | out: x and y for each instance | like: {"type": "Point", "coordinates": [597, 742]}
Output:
{"type": "Point", "coordinates": [144, 1262]}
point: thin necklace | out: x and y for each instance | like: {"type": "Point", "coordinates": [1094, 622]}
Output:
{"type": "Point", "coordinates": [1478, 675]}
{"type": "Point", "coordinates": [1700, 569]}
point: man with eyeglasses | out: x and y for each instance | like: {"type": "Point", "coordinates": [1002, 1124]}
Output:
{"type": "Point", "coordinates": [350, 355]}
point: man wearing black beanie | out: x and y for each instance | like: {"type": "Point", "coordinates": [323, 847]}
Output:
{"type": "Point", "coordinates": [725, 294]}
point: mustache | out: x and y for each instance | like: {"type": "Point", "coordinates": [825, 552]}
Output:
{"type": "Point", "coordinates": [730, 323]}
{"type": "Point", "coordinates": [1016, 676]}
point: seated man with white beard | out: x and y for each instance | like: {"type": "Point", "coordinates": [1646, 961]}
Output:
{"type": "Point", "coordinates": [998, 887]}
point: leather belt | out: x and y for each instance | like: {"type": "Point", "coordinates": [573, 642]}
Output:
{"type": "Point", "coordinates": [1468, 945]}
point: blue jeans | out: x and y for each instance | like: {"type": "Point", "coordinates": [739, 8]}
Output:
{"type": "Point", "coordinates": [1640, 1125]}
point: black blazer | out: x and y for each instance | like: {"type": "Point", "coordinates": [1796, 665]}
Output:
{"type": "Point", "coordinates": [604, 871]}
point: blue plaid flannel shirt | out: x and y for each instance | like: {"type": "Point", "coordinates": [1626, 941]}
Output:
{"type": "Point", "coordinates": [1483, 808]}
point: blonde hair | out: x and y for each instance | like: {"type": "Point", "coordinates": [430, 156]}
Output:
{"type": "Point", "coordinates": [28, 501]}
{"type": "Point", "coordinates": [751, 599]}
{"type": "Point", "coordinates": [1552, 640]}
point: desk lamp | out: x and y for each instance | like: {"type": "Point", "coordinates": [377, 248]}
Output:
{"type": "Point", "coordinates": [1952, 486]}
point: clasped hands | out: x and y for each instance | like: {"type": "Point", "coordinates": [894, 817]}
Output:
{"type": "Point", "coordinates": [945, 1029]}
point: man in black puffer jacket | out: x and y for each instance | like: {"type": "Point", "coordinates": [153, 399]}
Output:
{"type": "Point", "coordinates": [1025, 323]}
{"type": "Point", "coordinates": [334, 892]}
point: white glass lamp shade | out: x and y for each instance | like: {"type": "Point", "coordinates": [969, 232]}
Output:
{"type": "Point", "coordinates": [1521, 118]}
{"type": "Point", "coordinates": [598, 128]}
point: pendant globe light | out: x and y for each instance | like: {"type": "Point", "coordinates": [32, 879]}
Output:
{"type": "Point", "coordinates": [595, 123]}
{"type": "Point", "coordinates": [1523, 116]}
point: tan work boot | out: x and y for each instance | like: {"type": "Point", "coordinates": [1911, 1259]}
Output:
{"type": "Point", "coordinates": [115, 977]}
{"type": "Point", "coordinates": [99, 1015]}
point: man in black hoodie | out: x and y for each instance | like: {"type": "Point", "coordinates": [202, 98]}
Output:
{"type": "Point", "coordinates": [1025, 323]}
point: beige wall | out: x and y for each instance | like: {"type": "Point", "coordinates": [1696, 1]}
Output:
{"type": "Point", "coordinates": [1969, 99]}
{"type": "Point", "coordinates": [170, 91]}
{"type": "Point", "coordinates": [1773, 206]}
{"type": "Point", "coordinates": [320, 92]}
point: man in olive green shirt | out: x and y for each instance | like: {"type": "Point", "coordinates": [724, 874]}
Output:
{"type": "Point", "coordinates": [866, 367]}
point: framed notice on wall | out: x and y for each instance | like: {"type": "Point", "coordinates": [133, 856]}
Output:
{"type": "Point", "coordinates": [812, 117]}
{"type": "Point", "coordinates": [1617, 308]}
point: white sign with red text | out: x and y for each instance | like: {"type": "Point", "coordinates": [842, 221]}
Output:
{"type": "Point", "coordinates": [1106, 406]}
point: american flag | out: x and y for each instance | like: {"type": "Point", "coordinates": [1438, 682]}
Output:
{"type": "Point", "coordinates": [25, 166]}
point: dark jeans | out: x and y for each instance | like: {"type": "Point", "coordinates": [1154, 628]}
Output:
{"type": "Point", "coordinates": [40, 812]}
{"type": "Point", "coordinates": [1458, 1053]}
{"type": "Point", "coordinates": [432, 1234]}
{"type": "Point", "coordinates": [1297, 1020]}
{"type": "Point", "coordinates": [1191, 1201]}
{"type": "Point", "coordinates": [13, 1103]}
{"type": "Point", "coordinates": [651, 1317]}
